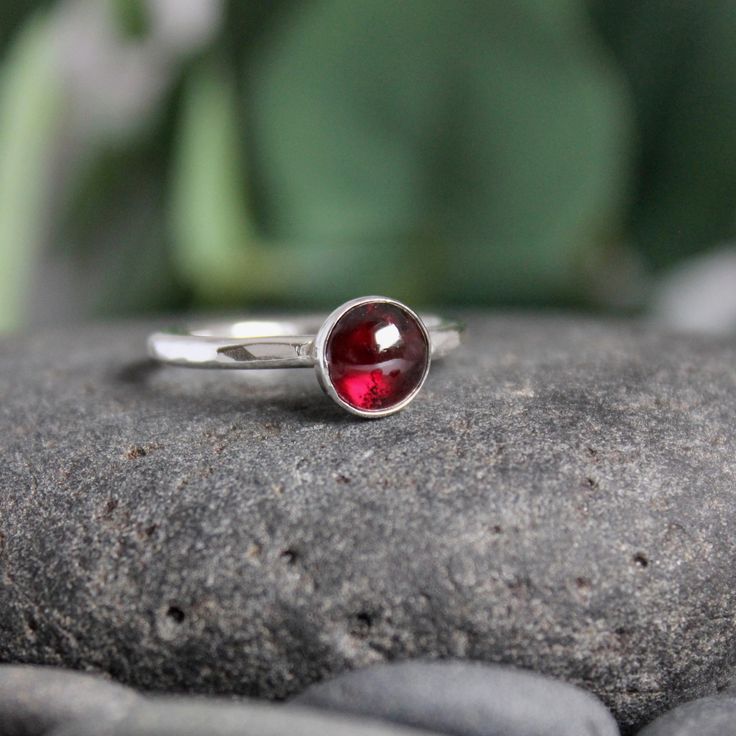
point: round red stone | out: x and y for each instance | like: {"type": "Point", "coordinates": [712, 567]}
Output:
{"type": "Point", "coordinates": [377, 354]}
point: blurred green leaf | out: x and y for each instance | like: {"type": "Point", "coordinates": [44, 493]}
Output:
{"type": "Point", "coordinates": [494, 135]}
{"type": "Point", "coordinates": [212, 233]}
{"type": "Point", "coordinates": [479, 152]}
{"type": "Point", "coordinates": [30, 107]}
{"type": "Point", "coordinates": [13, 13]}
{"type": "Point", "coordinates": [132, 17]}
{"type": "Point", "coordinates": [680, 62]}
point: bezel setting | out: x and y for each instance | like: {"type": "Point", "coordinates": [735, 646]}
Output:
{"type": "Point", "coordinates": [322, 364]}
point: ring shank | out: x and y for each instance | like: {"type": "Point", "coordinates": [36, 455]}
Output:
{"type": "Point", "coordinates": [250, 344]}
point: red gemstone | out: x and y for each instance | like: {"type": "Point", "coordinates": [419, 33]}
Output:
{"type": "Point", "coordinates": [377, 355]}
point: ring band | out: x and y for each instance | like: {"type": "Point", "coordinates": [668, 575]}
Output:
{"type": "Point", "coordinates": [371, 354]}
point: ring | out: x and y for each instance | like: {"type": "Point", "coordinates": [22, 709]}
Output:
{"type": "Point", "coordinates": [371, 355]}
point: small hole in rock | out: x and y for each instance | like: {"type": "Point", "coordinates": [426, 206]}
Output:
{"type": "Point", "coordinates": [361, 623]}
{"type": "Point", "coordinates": [364, 618]}
{"type": "Point", "coordinates": [290, 556]}
{"type": "Point", "coordinates": [641, 560]}
{"type": "Point", "coordinates": [176, 614]}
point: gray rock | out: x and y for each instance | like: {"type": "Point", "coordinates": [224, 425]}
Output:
{"type": "Point", "coordinates": [560, 497]}
{"type": "Point", "coordinates": [50, 701]}
{"type": "Point", "coordinates": [36, 700]}
{"type": "Point", "coordinates": [193, 717]}
{"type": "Point", "coordinates": [712, 716]}
{"type": "Point", "coordinates": [465, 700]}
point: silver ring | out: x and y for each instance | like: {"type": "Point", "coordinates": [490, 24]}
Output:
{"type": "Point", "coordinates": [371, 355]}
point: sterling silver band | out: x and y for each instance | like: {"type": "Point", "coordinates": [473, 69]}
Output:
{"type": "Point", "coordinates": [371, 355]}
{"type": "Point", "coordinates": [249, 344]}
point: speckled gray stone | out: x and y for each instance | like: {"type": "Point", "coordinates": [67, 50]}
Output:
{"type": "Point", "coordinates": [464, 699]}
{"type": "Point", "coordinates": [561, 496]}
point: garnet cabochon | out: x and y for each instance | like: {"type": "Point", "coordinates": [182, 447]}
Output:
{"type": "Point", "coordinates": [377, 356]}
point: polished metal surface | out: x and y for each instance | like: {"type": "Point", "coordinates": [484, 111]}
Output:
{"type": "Point", "coordinates": [250, 344]}
{"type": "Point", "coordinates": [290, 343]}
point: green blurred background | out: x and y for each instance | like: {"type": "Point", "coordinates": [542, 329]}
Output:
{"type": "Point", "coordinates": [163, 155]}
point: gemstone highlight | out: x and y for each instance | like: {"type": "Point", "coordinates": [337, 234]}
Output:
{"type": "Point", "coordinates": [377, 356]}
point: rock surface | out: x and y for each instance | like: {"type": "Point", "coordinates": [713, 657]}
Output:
{"type": "Point", "coordinates": [188, 717]}
{"type": "Point", "coordinates": [561, 496]}
{"type": "Point", "coordinates": [213, 717]}
{"type": "Point", "coordinates": [50, 701]}
{"type": "Point", "coordinates": [464, 699]}
{"type": "Point", "coordinates": [39, 699]}
{"type": "Point", "coordinates": [713, 716]}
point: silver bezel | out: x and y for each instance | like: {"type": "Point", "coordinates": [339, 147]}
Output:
{"type": "Point", "coordinates": [321, 364]}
